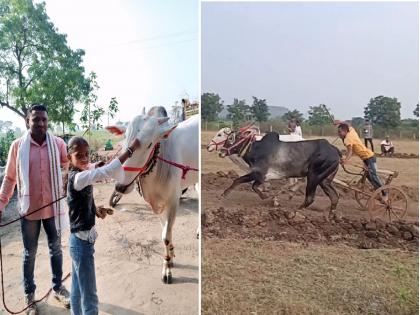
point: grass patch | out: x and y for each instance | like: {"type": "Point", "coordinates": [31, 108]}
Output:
{"type": "Point", "coordinates": [254, 277]}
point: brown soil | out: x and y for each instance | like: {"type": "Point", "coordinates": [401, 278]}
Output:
{"type": "Point", "coordinates": [242, 215]}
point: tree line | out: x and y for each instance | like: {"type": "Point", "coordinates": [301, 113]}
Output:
{"type": "Point", "coordinates": [382, 111]}
{"type": "Point", "coordinates": [38, 66]}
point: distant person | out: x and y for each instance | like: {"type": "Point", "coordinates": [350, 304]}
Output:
{"type": "Point", "coordinates": [368, 134]}
{"type": "Point", "coordinates": [294, 128]}
{"type": "Point", "coordinates": [298, 130]}
{"type": "Point", "coordinates": [291, 126]}
{"type": "Point", "coordinates": [387, 147]}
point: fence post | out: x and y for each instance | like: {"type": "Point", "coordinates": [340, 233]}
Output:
{"type": "Point", "coordinates": [271, 128]}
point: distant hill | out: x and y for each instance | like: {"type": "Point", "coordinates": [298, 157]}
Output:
{"type": "Point", "coordinates": [275, 111]}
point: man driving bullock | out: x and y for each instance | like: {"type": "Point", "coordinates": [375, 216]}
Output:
{"type": "Point", "coordinates": [355, 146]}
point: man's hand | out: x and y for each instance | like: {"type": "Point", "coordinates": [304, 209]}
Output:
{"type": "Point", "coordinates": [343, 161]}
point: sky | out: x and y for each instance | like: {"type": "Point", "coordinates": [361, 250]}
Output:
{"type": "Point", "coordinates": [145, 53]}
{"type": "Point", "coordinates": [301, 54]}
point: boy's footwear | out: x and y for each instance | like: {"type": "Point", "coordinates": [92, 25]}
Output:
{"type": "Point", "coordinates": [32, 310]}
{"type": "Point", "coordinates": [63, 296]}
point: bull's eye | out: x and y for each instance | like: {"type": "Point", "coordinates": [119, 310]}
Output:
{"type": "Point", "coordinates": [150, 144]}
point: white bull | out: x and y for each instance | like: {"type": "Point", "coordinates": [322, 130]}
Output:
{"type": "Point", "coordinates": [163, 173]}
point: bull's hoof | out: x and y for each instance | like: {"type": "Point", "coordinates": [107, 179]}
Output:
{"type": "Point", "coordinates": [167, 279]}
{"type": "Point", "coordinates": [171, 264]}
{"type": "Point", "coordinates": [115, 198]}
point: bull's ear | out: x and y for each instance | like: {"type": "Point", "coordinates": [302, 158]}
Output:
{"type": "Point", "coordinates": [165, 131]}
{"type": "Point", "coordinates": [116, 130]}
{"type": "Point", "coordinates": [162, 120]}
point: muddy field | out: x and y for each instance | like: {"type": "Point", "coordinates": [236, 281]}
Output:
{"type": "Point", "coordinates": [128, 259]}
{"type": "Point", "coordinates": [244, 226]}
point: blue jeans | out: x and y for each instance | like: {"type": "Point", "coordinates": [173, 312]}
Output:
{"type": "Point", "coordinates": [30, 234]}
{"type": "Point", "coordinates": [83, 297]}
{"type": "Point", "coordinates": [372, 176]}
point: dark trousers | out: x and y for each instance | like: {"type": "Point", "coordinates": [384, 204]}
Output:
{"type": "Point", "coordinates": [371, 143]}
{"type": "Point", "coordinates": [30, 234]}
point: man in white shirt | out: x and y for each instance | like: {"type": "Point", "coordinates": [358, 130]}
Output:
{"type": "Point", "coordinates": [387, 148]}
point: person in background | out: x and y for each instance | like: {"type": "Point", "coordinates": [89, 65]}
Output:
{"type": "Point", "coordinates": [387, 148]}
{"type": "Point", "coordinates": [298, 130]}
{"type": "Point", "coordinates": [294, 128]}
{"type": "Point", "coordinates": [291, 126]}
{"type": "Point", "coordinates": [368, 134]}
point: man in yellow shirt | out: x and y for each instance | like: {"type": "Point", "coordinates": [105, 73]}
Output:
{"type": "Point", "coordinates": [355, 147]}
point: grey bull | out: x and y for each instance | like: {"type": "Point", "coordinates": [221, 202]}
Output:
{"type": "Point", "coordinates": [270, 158]}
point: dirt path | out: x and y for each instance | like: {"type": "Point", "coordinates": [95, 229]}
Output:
{"type": "Point", "coordinates": [128, 260]}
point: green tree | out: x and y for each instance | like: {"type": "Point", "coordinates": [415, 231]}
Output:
{"type": "Point", "coordinates": [384, 112]}
{"type": "Point", "coordinates": [416, 111]}
{"type": "Point", "coordinates": [319, 115]}
{"type": "Point", "coordinates": [92, 112]}
{"type": "Point", "coordinates": [259, 109]}
{"type": "Point", "coordinates": [5, 143]}
{"type": "Point", "coordinates": [238, 111]}
{"type": "Point", "coordinates": [36, 64]}
{"type": "Point", "coordinates": [294, 114]}
{"type": "Point", "coordinates": [211, 106]}
{"type": "Point", "coordinates": [112, 108]}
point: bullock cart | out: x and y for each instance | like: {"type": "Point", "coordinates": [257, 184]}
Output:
{"type": "Point", "coordinates": [387, 202]}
